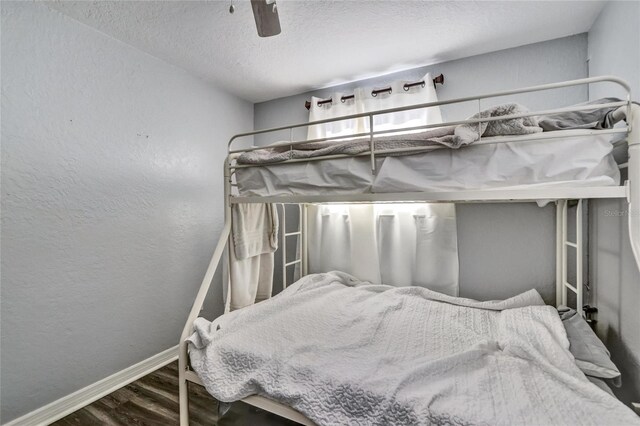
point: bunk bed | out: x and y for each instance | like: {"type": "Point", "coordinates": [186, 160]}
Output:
{"type": "Point", "coordinates": [383, 174]}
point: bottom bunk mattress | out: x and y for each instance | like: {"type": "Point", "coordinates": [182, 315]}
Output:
{"type": "Point", "coordinates": [569, 159]}
{"type": "Point", "coordinates": [342, 351]}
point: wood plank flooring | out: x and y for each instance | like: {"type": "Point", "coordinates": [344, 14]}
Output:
{"type": "Point", "coordinates": [153, 401]}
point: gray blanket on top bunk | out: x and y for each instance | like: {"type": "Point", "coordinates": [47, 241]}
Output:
{"type": "Point", "coordinates": [444, 137]}
{"type": "Point", "coordinates": [347, 352]}
{"type": "Point", "coordinates": [597, 118]}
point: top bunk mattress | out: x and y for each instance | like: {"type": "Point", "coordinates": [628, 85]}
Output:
{"type": "Point", "coordinates": [570, 159]}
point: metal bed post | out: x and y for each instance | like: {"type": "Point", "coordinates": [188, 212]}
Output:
{"type": "Point", "coordinates": [305, 241]}
{"type": "Point", "coordinates": [372, 147]}
{"type": "Point", "coordinates": [299, 254]}
{"type": "Point", "coordinates": [226, 277]}
{"type": "Point", "coordinates": [633, 180]}
{"type": "Point", "coordinates": [283, 237]}
{"type": "Point", "coordinates": [559, 250]}
{"type": "Point", "coordinates": [564, 252]}
{"type": "Point", "coordinates": [579, 260]}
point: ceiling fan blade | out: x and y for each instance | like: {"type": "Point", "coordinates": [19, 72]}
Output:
{"type": "Point", "coordinates": [266, 16]}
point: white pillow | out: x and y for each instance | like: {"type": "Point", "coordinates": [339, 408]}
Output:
{"type": "Point", "coordinates": [592, 357]}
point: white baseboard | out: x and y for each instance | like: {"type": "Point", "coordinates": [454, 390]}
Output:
{"type": "Point", "coordinates": [85, 396]}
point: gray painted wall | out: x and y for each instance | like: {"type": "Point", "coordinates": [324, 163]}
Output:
{"type": "Point", "coordinates": [539, 63]}
{"type": "Point", "coordinates": [111, 202]}
{"type": "Point", "coordinates": [503, 248]}
{"type": "Point", "coordinates": [614, 48]}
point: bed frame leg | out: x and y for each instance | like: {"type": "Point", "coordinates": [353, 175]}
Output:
{"type": "Point", "coordinates": [184, 403]}
{"type": "Point", "coordinates": [183, 386]}
{"type": "Point", "coordinates": [560, 229]}
{"type": "Point", "coordinates": [633, 194]}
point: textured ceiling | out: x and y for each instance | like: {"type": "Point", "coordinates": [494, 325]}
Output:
{"type": "Point", "coordinates": [324, 42]}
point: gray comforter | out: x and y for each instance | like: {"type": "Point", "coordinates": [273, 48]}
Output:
{"type": "Point", "coordinates": [597, 118]}
{"type": "Point", "coordinates": [347, 352]}
{"type": "Point", "coordinates": [444, 137]}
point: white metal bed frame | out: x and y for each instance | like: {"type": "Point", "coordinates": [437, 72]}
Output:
{"type": "Point", "coordinates": [630, 191]}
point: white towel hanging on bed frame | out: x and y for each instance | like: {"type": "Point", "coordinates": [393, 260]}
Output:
{"type": "Point", "coordinates": [254, 240]}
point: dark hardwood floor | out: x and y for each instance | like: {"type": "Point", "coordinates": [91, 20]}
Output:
{"type": "Point", "coordinates": [153, 400]}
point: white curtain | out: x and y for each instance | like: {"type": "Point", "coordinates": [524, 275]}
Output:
{"type": "Point", "coordinates": [395, 244]}
{"type": "Point", "coordinates": [364, 101]}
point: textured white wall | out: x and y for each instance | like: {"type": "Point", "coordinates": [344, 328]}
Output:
{"type": "Point", "coordinates": [503, 248]}
{"type": "Point", "coordinates": [111, 202]}
{"type": "Point", "coordinates": [614, 48]}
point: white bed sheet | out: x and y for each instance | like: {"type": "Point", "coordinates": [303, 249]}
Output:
{"type": "Point", "coordinates": [346, 352]}
{"type": "Point", "coordinates": [568, 160]}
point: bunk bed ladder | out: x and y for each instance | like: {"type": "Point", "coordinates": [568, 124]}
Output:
{"type": "Point", "coordinates": [562, 246]}
{"type": "Point", "coordinates": [300, 234]}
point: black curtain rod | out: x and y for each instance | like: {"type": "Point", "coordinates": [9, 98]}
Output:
{"type": "Point", "coordinates": [438, 80]}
